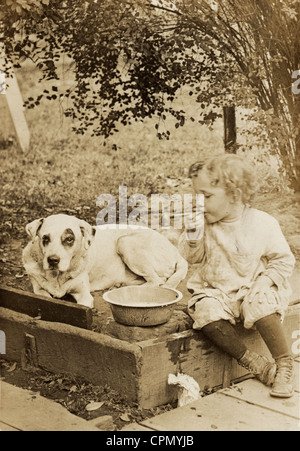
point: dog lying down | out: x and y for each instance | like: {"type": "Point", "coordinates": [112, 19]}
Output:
{"type": "Point", "coordinates": [68, 255]}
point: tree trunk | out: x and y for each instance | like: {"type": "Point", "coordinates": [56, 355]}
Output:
{"type": "Point", "coordinates": [229, 129]}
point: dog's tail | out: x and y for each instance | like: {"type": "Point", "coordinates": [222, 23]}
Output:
{"type": "Point", "coordinates": [179, 274]}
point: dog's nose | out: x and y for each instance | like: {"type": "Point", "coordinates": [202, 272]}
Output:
{"type": "Point", "coordinates": [53, 261]}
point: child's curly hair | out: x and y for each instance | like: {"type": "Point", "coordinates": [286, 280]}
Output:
{"type": "Point", "coordinates": [232, 172]}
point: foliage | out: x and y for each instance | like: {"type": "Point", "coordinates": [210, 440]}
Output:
{"type": "Point", "coordinates": [132, 57]}
{"type": "Point", "coordinates": [64, 172]}
{"type": "Point", "coordinates": [124, 69]}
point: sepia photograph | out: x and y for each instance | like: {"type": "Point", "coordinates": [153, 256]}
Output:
{"type": "Point", "coordinates": [149, 218]}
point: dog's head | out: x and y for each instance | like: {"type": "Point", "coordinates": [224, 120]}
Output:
{"type": "Point", "coordinates": [62, 239]}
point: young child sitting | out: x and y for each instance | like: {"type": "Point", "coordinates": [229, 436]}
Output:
{"type": "Point", "coordinates": [245, 263]}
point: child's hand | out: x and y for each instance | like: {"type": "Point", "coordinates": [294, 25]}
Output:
{"type": "Point", "coordinates": [260, 290]}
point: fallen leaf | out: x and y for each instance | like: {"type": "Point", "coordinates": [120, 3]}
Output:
{"type": "Point", "coordinates": [73, 389]}
{"type": "Point", "coordinates": [94, 406]}
{"type": "Point", "coordinates": [12, 368]}
{"type": "Point", "coordinates": [125, 418]}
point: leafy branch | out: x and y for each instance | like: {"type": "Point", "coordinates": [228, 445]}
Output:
{"type": "Point", "coordinates": [132, 57]}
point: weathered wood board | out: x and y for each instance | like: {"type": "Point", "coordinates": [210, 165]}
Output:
{"type": "Point", "coordinates": [255, 393]}
{"type": "Point", "coordinates": [247, 406]}
{"type": "Point", "coordinates": [46, 308]}
{"type": "Point", "coordinates": [25, 410]}
{"type": "Point", "coordinates": [61, 348]}
{"type": "Point", "coordinates": [220, 413]}
{"type": "Point", "coordinates": [191, 353]}
{"type": "Point", "coordinates": [12, 108]}
{"type": "Point", "coordinates": [138, 370]}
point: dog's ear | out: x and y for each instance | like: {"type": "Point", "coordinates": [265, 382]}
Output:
{"type": "Point", "coordinates": [33, 227]}
{"type": "Point", "coordinates": [88, 233]}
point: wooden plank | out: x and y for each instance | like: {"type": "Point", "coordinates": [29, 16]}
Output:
{"type": "Point", "coordinates": [2, 81]}
{"type": "Point", "coordinates": [29, 357]}
{"type": "Point", "coordinates": [185, 352]}
{"type": "Point", "coordinates": [191, 353]}
{"type": "Point", "coordinates": [134, 427]}
{"type": "Point", "coordinates": [229, 129]}
{"type": "Point", "coordinates": [254, 392]}
{"type": "Point", "coordinates": [61, 348]}
{"type": "Point", "coordinates": [16, 110]}
{"type": "Point", "coordinates": [7, 428]}
{"type": "Point", "coordinates": [28, 411]}
{"type": "Point", "coordinates": [140, 370]}
{"type": "Point", "coordinates": [217, 412]}
{"type": "Point", "coordinates": [47, 309]}
{"type": "Point", "coordinates": [7, 130]}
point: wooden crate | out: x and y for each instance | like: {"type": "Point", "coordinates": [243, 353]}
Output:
{"type": "Point", "coordinates": [139, 369]}
{"type": "Point", "coordinates": [44, 308]}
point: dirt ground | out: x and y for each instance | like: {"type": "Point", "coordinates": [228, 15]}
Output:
{"type": "Point", "coordinates": [75, 394]}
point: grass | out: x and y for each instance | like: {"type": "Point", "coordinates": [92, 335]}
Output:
{"type": "Point", "coordinates": [65, 172]}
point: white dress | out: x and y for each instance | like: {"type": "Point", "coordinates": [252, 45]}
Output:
{"type": "Point", "coordinates": [230, 256]}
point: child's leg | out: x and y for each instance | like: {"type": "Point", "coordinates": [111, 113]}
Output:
{"type": "Point", "coordinates": [213, 319]}
{"type": "Point", "coordinates": [223, 334]}
{"type": "Point", "coordinates": [225, 337]}
{"type": "Point", "coordinates": [271, 330]}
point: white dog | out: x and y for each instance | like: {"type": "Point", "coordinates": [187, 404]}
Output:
{"type": "Point", "coordinates": [67, 255]}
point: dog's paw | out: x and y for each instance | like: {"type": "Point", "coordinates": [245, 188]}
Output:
{"type": "Point", "coordinates": [86, 304]}
{"type": "Point", "coordinates": [86, 301]}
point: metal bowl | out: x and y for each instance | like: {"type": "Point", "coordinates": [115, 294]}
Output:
{"type": "Point", "coordinates": [142, 305]}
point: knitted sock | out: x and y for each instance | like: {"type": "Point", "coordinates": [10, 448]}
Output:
{"type": "Point", "coordinates": [223, 334]}
{"type": "Point", "coordinates": [271, 331]}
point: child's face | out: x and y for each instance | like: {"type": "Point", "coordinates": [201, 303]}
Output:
{"type": "Point", "coordinates": [218, 205]}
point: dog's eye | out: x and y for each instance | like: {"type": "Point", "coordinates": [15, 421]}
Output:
{"type": "Point", "coordinates": [69, 240]}
{"type": "Point", "coordinates": [45, 240]}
